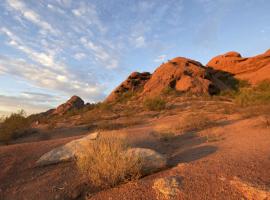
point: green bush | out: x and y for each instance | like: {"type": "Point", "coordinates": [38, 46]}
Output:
{"type": "Point", "coordinates": [14, 126]}
{"type": "Point", "coordinates": [259, 94]}
{"type": "Point", "coordinates": [155, 104]}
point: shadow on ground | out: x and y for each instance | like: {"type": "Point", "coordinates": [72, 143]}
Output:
{"type": "Point", "coordinates": [187, 147]}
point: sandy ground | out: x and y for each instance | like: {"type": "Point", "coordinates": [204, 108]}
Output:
{"type": "Point", "coordinates": [228, 161]}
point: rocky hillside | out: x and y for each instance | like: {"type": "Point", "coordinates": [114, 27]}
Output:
{"type": "Point", "coordinates": [134, 83]}
{"type": "Point", "coordinates": [179, 74]}
{"type": "Point", "coordinates": [74, 102]}
{"type": "Point", "coordinates": [253, 69]}
{"type": "Point", "coordinates": [186, 75]}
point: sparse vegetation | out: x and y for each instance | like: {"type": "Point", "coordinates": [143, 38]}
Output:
{"type": "Point", "coordinates": [126, 96]}
{"type": "Point", "coordinates": [155, 104]}
{"type": "Point", "coordinates": [245, 95]}
{"type": "Point", "coordinates": [111, 125]}
{"type": "Point", "coordinates": [194, 122]}
{"type": "Point", "coordinates": [14, 126]}
{"type": "Point", "coordinates": [104, 106]}
{"type": "Point", "coordinates": [106, 164]}
{"type": "Point", "coordinates": [169, 91]}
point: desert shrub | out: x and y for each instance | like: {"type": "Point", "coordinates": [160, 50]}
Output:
{"type": "Point", "coordinates": [14, 126]}
{"type": "Point", "coordinates": [104, 106]}
{"type": "Point", "coordinates": [112, 125]}
{"type": "Point", "coordinates": [259, 94]}
{"type": "Point", "coordinates": [105, 164]}
{"type": "Point", "coordinates": [194, 122]}
{"type": "Point", "coordinates": [169, 91]}
{"type": "Point", "coordinates": [155, 104]}
{"type": "Point", "coordinates": [123, 98]}
{"type": "Point", "coordinates": [242, 84]}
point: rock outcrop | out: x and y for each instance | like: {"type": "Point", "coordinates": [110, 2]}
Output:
{"type": "Point", "coordinates": [185, 75]}
{"type": "Point", "coordinates": [181, 74]}
{"type": "Point", "coordinates": [74, 102]}
{"type": "Point", "coordinates": [253, 69]}
{"type": "Point", "coordinates": [133, 83]}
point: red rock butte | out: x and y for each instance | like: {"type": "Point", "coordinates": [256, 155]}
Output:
{"type": "Point", "coordinates": [186, 75]}
{"type": "Point", "coordinates": [253, 69]}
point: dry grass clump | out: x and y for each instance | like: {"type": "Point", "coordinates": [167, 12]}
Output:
{"type": "Point", "coordinates": [256, 110]}
{"type": "Point", "coordinates": [246, 95]}
{"type": "Point", "coordinates": [189, 123]}
{"type": "Point", "coordinates": [195, 121]}
{"type": "Point", "coordinates": [106, 164]}
{"type": "Point", "coordinates": [155, 104]}
{"type": "Point", "coordinates": [14, 126]}
{"type": "Point", "coordinates": [112, 125]}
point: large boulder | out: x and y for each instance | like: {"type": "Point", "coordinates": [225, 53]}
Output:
{"type": "Point", "coordinates": [253, 69]}
{"type": "Point", "coordinates": [133, 83]}
{"type": "Point", "coordinates": [181, 74]}
{"type": "Point", "coordinates": [74, 102]}
{"type": "Point", "coordinates": [68, 151]}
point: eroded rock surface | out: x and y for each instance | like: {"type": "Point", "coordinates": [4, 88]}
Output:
{"type": "Point", "coordinates": [253, 69]}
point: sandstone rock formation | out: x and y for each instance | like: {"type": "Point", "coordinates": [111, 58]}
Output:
{"type": "Point", "coordinates": [133, 83]}
{"type": "Point", "coordinates": [253, 69]}
{"type": "Point", "coordinates": [74, 102]}
{"type": "Point", "coordinates": [181, 74]}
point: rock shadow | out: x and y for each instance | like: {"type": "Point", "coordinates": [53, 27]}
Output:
{"type": "Point", "coordinates": [192, 154]}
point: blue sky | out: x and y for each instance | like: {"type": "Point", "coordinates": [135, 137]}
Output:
{"type": "Point", "coordinates": [52, 49]}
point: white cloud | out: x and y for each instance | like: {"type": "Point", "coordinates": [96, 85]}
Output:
{"type": "Point", "coordinates": [139, 42]}
{"type": "Point", "coordinates": [88, 14]}
{"type": "Point", "coordinates": [160, 58]}
{"type": "Point", "coordinates": [62, 81]}
{"type": "Point", "coordinates": [30, 15]}
{"type": "Point", "coordinates": [30, 102]}
{"type": "Point", "coordinates": [100, 53]}
{"type": "Point", "coordinates": [39, 57]}
{"type": "Point", "coordinates": [78, 12]}
{"type": "Point", "coordinates": [79, 56]}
